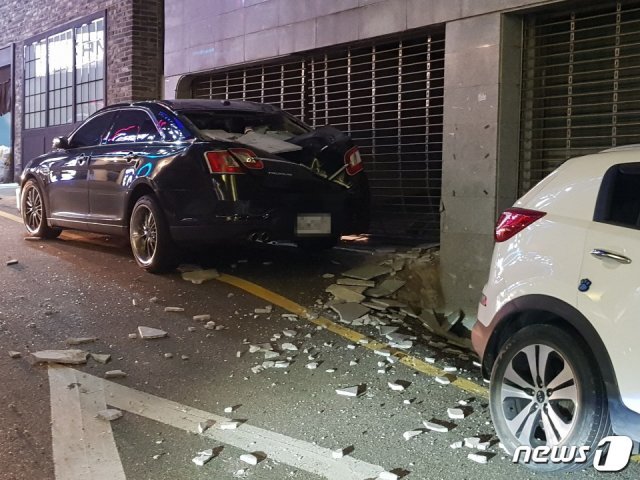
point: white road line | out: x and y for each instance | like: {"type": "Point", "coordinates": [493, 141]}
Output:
{"type": "Point", "coordinates": [283, 449]}
{"type": "Point", "coordinates": [83, 445]}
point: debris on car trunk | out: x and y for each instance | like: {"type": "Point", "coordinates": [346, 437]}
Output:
{"type": "Point", "coordinates": [198, 277]}
{"type": "Point", "coordinates": [149, 333]}
{"type": "Point", "coordinates": [71, 357]}
{"type": "Point", "coordinates": [110, 414]}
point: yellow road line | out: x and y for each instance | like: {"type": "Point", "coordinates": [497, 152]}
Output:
{"type": "Point", "coordinates": [352, 335]}
{"type": "Point", "coordinates": [10, 216]}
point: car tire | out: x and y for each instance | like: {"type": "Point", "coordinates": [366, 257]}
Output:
{"type": "Point", "coordinates": [580, 419]}
{"type": "Point", "coordinates": [34, 212]}
{"type": "Point", "coordinates": [150, 239]}
{"type": "Point", "coordinates": [318, 244]}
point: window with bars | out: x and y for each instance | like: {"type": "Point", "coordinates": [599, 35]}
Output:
{"type": "Point", "coordinates": [89, 68]}
{"type": "Point", "coordinates": [387, 95]}
{"type": "Point", "coordinates": [60, 58]}
{"type": "Point", "coordinates": [35, 84]}
{"type": "Point", "coordinates": [581, 85]}
{"type": "Point", "coordinates": [53, 93]}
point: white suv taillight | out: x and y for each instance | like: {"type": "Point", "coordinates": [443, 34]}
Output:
{"type": "Point", "coordinates": [514, 220]}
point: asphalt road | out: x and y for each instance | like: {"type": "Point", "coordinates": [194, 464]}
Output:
{"type": "Point", "coordinates": [86, 285]}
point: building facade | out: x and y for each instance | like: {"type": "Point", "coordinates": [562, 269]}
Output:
{"type": "Point", "coordinates": [459, 106]}
{"type": "Point", "coordinates": [61, 60]}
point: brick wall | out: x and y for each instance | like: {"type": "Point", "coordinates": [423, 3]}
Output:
{"type": "Point", "coordinates": [134, 40]}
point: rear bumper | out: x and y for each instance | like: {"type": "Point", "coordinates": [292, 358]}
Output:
{"type": "Point", "coordinates": [275, 225]}
{"type": "Point", "coordinates": [480, 335]}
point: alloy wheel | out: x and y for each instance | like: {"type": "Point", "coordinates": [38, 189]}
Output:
{"type": "Point", "coordinates": [539, 396]}
{"type": "Point", "coordinates": [33, 209]}
{"type": "Point", "coordinates": [144, 234]}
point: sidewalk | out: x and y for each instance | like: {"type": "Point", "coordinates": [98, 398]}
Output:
{"type": "Point", "coordinates": [8, 195]}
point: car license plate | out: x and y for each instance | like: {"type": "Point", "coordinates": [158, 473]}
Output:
{"type": "Point", "coordinates": [313, 224]}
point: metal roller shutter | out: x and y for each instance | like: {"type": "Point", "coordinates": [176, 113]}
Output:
{"type": "Point", "coordinates": [388, 96]}
{"type": "Point", "coordinates": [581, 85]}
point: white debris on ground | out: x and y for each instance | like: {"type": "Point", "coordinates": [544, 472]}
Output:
{"type": "Point", "coordinates": [149, 333]}
{"type": "Point", "coordinates": [436, 427]}
{"type": "Point", "coordinates": [229, 425]}
{"type": "Point", "coordinates": [198, 277]}
{"type": "Point", "coordinates": [174, 309]}
{"type": "Point", "coordinates": [80, 340]}
{"type": "Point", "coordinates": [249, 458]}
{"type": "Point", "coordinates": [388, 476]}
{"type": "Point", "coordinates": [203, 457]}
{"type": "Point", "coordinates": [115, 374]}
{"type": "Point", "coordinates": [102, 358]}
{"type": "Point", "coordinates": [70, 357]}
{"type": "Point", "coordinates": [14, 354]}
{"type": "Point", "coordinates": [13, 261]}
{"type": "Point", "coordinates": [354, 391]}
{"type": "Point", "coordinates": [110, 414]}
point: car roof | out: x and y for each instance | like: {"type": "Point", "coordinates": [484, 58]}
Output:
{"type": "Point", "coordinates": [181, 105]}
{"type": "Point", "coordinates": [572, 189]}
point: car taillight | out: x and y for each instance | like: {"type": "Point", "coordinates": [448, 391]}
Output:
{"type": "Point", "coordinates": [514, 220]}
{"type": "Point", "coordinates": [222, 161]}
{"type": "Point", "coordinates": [353, 161]}
{"type": "Point", "coordinates": [248, 158]}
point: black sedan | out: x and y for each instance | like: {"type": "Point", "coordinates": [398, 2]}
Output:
{"type": "Point", "coordinates": [197, 171]}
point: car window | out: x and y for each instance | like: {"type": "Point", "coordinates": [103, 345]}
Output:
{"type": "Point", "coordinates": [93, 131]}
{"type": "Point", "coordinates": [172, 128]}
{"type": "Point", "coordinates": [133, 126]}
{"type": "Point", "coordinates": [619, 197]}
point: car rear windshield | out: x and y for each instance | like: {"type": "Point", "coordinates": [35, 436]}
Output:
{"type": "Point", "coordinates": [230, 124]}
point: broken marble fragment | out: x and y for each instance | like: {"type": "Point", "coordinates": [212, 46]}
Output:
{"type": "Point", "coordinates": [149, 333]}
{"type": "Point", "coordinates": [203, 457]}
{"type": "Point", "coordinates": [386, 288]}
{"type": "Point", "coordinates": [110, 414]}
{"type": "Point", "coordinates": [367, 272]}
{"type": "Point", "coordinates": [72, 357]}
{"type": "Point", "coordinates": [350, 311]}
{"type": "Point", "coordinates": [198, 277]}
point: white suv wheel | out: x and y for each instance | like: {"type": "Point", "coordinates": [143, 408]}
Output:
{"type": "Point", "coordinates": [546, 391]}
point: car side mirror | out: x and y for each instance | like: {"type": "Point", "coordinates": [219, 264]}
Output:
{"type": "Point", "coordinates": [60, 143]}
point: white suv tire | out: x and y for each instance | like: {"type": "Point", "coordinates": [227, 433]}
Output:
{"type": "Point", "coordinates": [578, 411]}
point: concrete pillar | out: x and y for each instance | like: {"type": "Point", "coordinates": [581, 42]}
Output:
{"type": "Point", "coordinates": [479, 160]}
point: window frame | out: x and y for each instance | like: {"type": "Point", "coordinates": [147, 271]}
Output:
{"type": "Point", "coordinates": [90, 119]}
{"type": "Point", "coordinates": [73, 25]}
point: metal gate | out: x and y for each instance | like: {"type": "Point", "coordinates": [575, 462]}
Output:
{"type": "Point", "coordinates": [581, 85]}
{"type": "Point", "coordinates": [388, 96]}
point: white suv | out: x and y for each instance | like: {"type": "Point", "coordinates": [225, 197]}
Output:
{"type": "Point", "coordinates": [558, 326]}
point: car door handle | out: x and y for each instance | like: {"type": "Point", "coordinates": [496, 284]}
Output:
{"type": "Point", "coordinates": [82, 159]}
{"type": "Point", "coordinates": [600, 253]}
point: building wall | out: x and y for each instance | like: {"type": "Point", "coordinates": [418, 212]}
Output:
{"type": "Point", "coordinates": [482, 76]}
{"type": "Point", "coordinates": [134, 60]}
